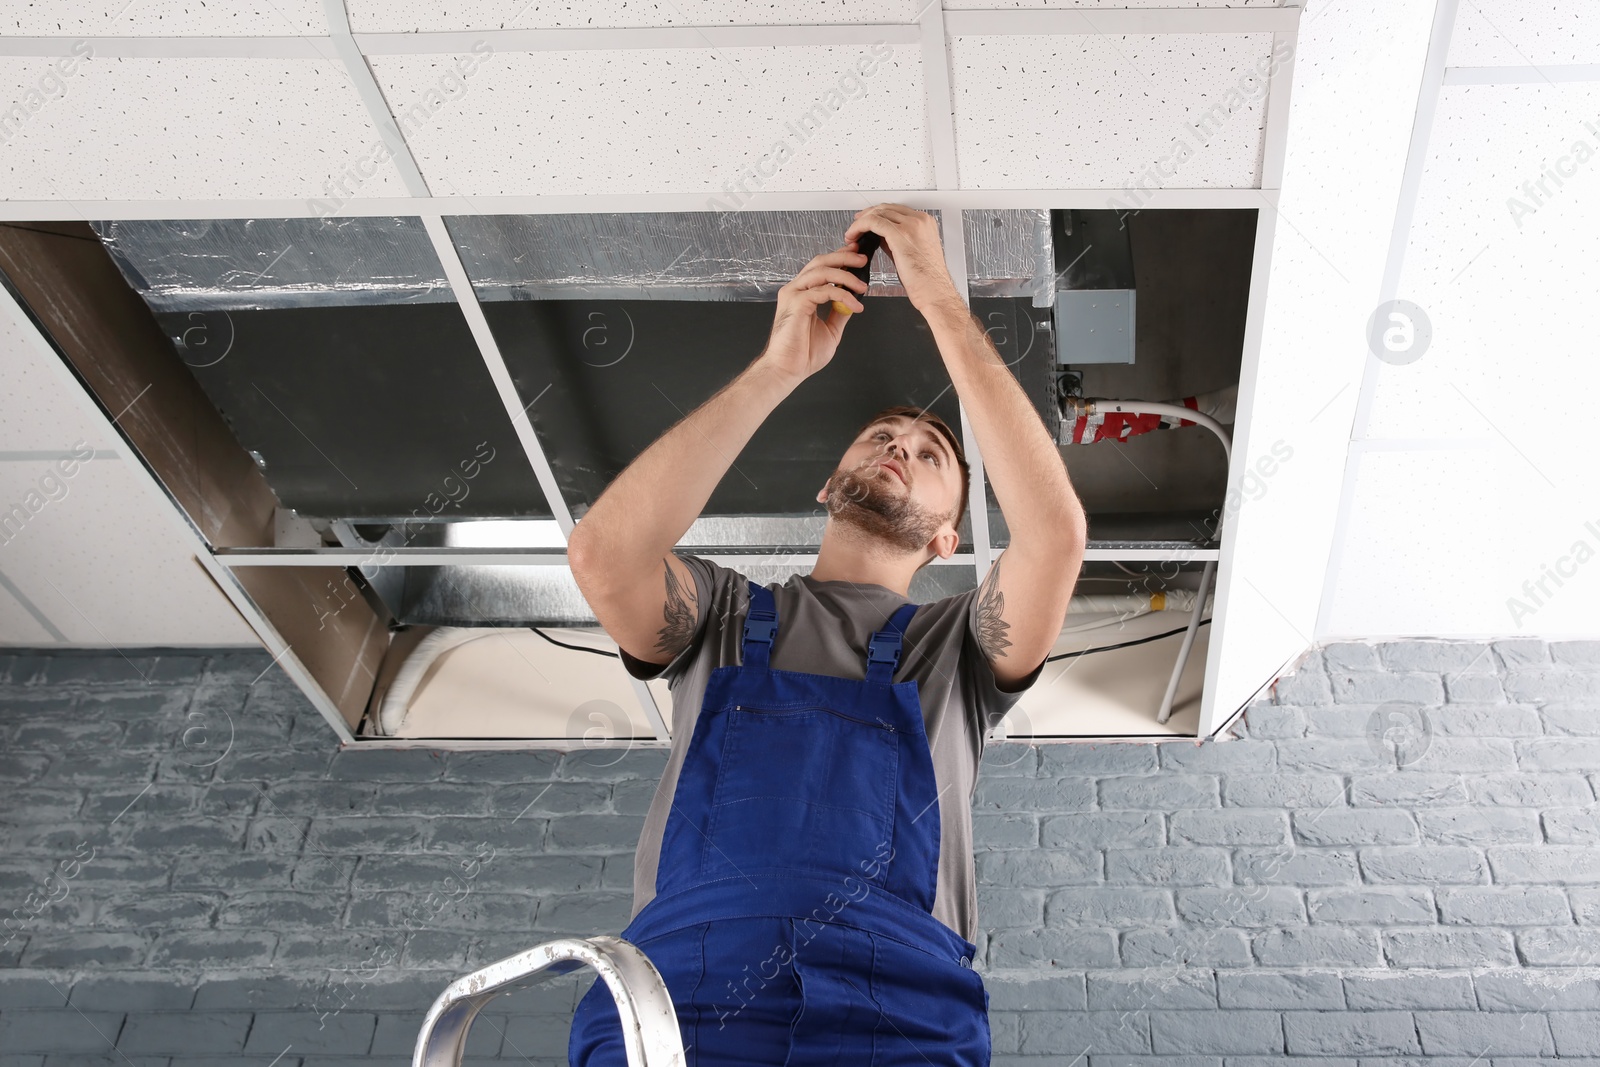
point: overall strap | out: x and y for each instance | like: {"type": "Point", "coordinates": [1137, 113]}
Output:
{"type": "Point", "coordinates": [883, 651]}
{"type": "Point", "coordinates": [760, 626]}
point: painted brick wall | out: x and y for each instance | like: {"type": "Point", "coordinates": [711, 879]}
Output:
{"type": "Point", "coordinates": [1398, 859]}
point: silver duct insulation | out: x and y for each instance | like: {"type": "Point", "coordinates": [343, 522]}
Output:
{"type": "Point", "coordinates": [232, 264]}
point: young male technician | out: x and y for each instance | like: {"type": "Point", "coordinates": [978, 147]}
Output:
{"type": "Point", "coordinates": [804, 881]}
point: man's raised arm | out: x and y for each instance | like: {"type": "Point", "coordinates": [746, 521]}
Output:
{"type": "Point", "coordinates": [621, 551]}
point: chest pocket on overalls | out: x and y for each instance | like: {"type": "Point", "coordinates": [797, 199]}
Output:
{"type": "Point", "coordinates": [803, 787]}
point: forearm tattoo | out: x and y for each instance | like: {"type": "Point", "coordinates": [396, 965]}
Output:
{"type": "Point", "coordinates": [991, 627]}
{"type": "Point", "coordinates": [679, 614]}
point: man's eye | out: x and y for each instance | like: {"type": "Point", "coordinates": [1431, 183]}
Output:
{"type": "Point", "coordinates": [935, 457]}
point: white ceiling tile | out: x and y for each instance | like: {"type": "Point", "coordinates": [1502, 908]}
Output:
{"type": "Point", "coordinates": [187, 128]}
{"type": "Point", "coordinates": [163, 18]}
{"type": "Point", "coordinates": [1521, 33]}
{"type": "Point", "coordinates": [1456, 543]}
{"type": "Point", "coordinates": [1077, 111]}
{"type": "Point", "coordinates": [103, 559]}
{"type": "Point", "coordinates": [18, 625]}
{"type": "Point", "coordinates": [1033, 5]}
{"type": "Point", "coordinates": [409, 16]}
{"type": "Point", "coordinates": [37, 413]}
{"type": "Point", "coordinates": [664, 120]}
{"type": "Point", "coordinates": [1501, 267]}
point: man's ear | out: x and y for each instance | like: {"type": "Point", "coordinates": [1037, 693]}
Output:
{"type": "Point", "coordinates": [822, 495]}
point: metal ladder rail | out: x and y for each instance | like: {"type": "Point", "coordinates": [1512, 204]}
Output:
{"type": "Point", "coordinates": [649, 1021]}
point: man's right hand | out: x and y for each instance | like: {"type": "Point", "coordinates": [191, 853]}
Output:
{"type": "Point", "coordinates": [802, 343]}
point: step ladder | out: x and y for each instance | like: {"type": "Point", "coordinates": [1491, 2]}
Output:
{"type": "Point", "coordinates": [649, 1022]}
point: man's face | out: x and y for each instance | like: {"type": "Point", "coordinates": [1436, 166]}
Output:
{"type": "Point", "coordinates": [907, 509]}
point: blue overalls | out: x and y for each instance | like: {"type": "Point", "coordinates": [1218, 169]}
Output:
{"type": "Point", "coordinates": [792, 921]}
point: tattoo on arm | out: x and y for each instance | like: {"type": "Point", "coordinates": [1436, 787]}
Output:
{"type": "Point", "coordinates": [991, 627]}
{"type": "Point", "coordinates": [679, 614]}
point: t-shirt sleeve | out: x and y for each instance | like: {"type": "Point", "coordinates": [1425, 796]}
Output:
{"type": "Point", "coordinates": [712, 583]}
{"type": "Point", "coordinates": [988, 700]}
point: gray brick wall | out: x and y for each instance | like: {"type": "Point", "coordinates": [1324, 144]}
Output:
{"type": "Point", "coordinates": [1394, 860]}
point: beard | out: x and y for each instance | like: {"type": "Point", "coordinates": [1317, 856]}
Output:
{"type": "Point", "coordinates": [865, 499]}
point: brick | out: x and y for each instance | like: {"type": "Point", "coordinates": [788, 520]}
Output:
{"type": "Point", "coordinates": [1295, 866]}
{"type": "Point", "coordinates": [1584, 653]}
{"type": "Point", "coordinates": [100, 768]}
{"type": "Point", "coordinates": [1542, 686]}
{"type": "Point", "coordinates": [1188, 865]}
{"type": "Point", "coordinates": [1524, 790]}
{"type": "Point", "coordinates": [159, 912]}
{"type": "Point", "coordinates": [1562, 946]}
{"type": "Point", "coordinates": [1520, 652]}
{"type": "Point", "coordinates": [1216, 1031]}
{"type": "Point", "coordinates": [79, 949]}
{"type": "Point", "coordinates": [1035, 949]}
{"type": "Point", "coordinates": [1561, 864]}
{"type": "Point", "coordinates": [1559, 754]}
{"type": "Point", "coordinates": [1574, 1034]}
{"type": "Point", "coordinates": [132, 992]}
{"type": "Point", "coordinates": [1009, 758]}
{"type": "Point", "coordinates": [604, 765]}
{"type": "Point", "coordinates": [1031, 991]}
{"type": "Point", "coordinates": [1245, 757]}
{"type": "Point", "coordinates": [1040, 867]}
{"type": "Point", "coordinates": [1186, 946]}
{"type": "Point", "coordinates": [1309, 687]}
{"type": "Point", "coordinates": [59, 1031]}
{"type": "Point", "coordinates": [1007, 830]}
{"type": "Point", "coordinates": [255, 989]}
{"type": "Point", "coordinates": [1266, 722]}
{"type": "Point", "coordinates": [1280, 990]}
{"type": "Point", "coordinates": [50, 736]}
{"type": "Point", "coordinates": [1317, 946]}
{"type": "Point", "coordinates": [1108, 1031]}
{"type": "Point", "coordinates": [1407, 789]}
{"type": "Point", "coordinates": [595, 833]}
{"type": "Point", "coordinates": [197, 834]}
{"type": "Point", "coordinates": [1103, 829]}
{"type": "Point", "coordinates": [1091, 759]}
{"type": "Point", "coordinates": [1473, 689]}
{"type": "Point", "coordinates": [306, 1032]}
{"type": "Point", "coordinates": [279, 909]}
{"type": "Point", "coordinates": [589, 913]}
{"type": "Point", "coordinates": [1368, 1033]}
{"type": "Point", "coordinates": [1485, 720]}
{"type": "Point", "coordinates": [554, 798]}
{"type": "Point", "coordinates": [1458, 947]}
{"type": "Point", "coordinates": [1576, 719]}
{"type": "Point", "coordinates": [16, 767]}
{"type": "Point", "coordinates": [23, 989]}
{"type": "Point", "coordinates": [1458, 657]}
{"type": "Point", "coordinates": [1097, 908]}
{"type": "Point", "coordinates": [143, 803]}
{"type": "Point", "coordinates": [1351, 656]}
{"type": "Point", "coordinates": [538, 875]}
{"type": "Point", "coordinates": [1034, 794]}
{"type": "Point", "coordinates": [1282, 790]}
{"type": "Point", "coordinates": [478, 768]}
{"type": "Point", "coordinates": [1504, 906]}
{"type": "Point", "coordinates": [1345, 720]}
{"type": "Point", "coordinates": [1454, 1033]}
{"type": "Point", "coordinates": [1335, 826]}
{"type": "Point", "coordinates": [1160, 792]}
{"type": "Point", "coordinates": [236, 668]}
{"type": "Point", "coordinates": [1424, 865]}
{"type": "Point", "coordinates": [1382, 687]}
{"type": "Point", "coordinates": [1162, 990]}
{"type": "Point", "coordinates": [1585, 905]}
{"type": "Point", "coordinates": [1001, 907]}
{"type": "Point", "coordinates": [185, 1032]}
{"type": "Point", "coordinates": [1228, 828]}
{"type": "Point", "coordinates": [1531, 989]}
{"type": "Point", "coordinates": [634, 796]}
{"type": "Point", "coordinates": [1469, 755]}
{"type": "Point", "coordinates": [95, 669]}
{"type": "Point", "coordinates": [1488, 826]}
{"type": "Point", "coordinates": [1387, 990]}
{"type": "Point", "coordinates": [1371, 906]}
{"type": "Point", "coordinates": [1242, 906]}
{"type": "Point", "coordinates": [1339, 755]}
{"type": "Point", "coordinates": [212, 947]}
{"type": "Point", "coordinates": [375, 833]}
{"type": "Point", "coordinates": [541, 1038]}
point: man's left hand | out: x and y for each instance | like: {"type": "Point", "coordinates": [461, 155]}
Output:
{"type": "Point", "coordinates": [911, 238]}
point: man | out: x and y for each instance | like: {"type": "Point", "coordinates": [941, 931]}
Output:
{"type": "Point", "coordinates": [804, 881]}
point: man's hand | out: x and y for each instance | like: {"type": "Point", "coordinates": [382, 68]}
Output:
{"type": "Point", "coordinates": [801, 343]}
{"type": "Point", "coordinates": [911, 238]}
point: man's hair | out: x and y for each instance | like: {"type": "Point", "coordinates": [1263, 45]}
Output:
{"type": "Point", "coordinates": [950, 437]}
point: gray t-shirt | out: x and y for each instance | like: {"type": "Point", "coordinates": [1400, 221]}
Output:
{"type": "Point", "coordinates": [823, 628]}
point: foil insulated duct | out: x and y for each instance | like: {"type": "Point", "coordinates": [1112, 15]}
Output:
{"type": "Point", "coordinates": [242, 264]}
{"type": "Point", "coordinates": [234, 264]}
